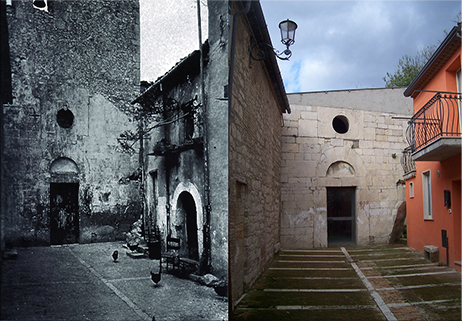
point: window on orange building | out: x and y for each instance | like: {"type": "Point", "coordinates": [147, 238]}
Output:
{"type": "Point", "coordinates": [427, 195]}
{"type": "Point", "coordinates": [459, 81]}
{"type": "Point", "coordinates": [411, 189]}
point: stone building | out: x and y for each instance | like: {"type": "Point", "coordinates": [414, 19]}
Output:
{"type": "Point", "coordinates": [341, 177]}
{"type": "Point", "coordinates": [257, 102]}
{"type": "Point", "coordinates": [74, 70]}
{"type": "Point", "coordinates": [185, 152]}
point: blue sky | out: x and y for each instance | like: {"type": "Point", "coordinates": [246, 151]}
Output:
{"type": "Point", "coordinates": [353, 44]}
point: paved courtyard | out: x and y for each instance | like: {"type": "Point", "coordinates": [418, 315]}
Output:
{"type": "Point", "coordinates": [387, 282]}
{"type": "Point", "coordinates": [82, 282]}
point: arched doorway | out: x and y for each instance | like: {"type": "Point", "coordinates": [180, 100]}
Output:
{"type": "Point", "coordinates": [186, 208]}
{"type": "Point", "coordinates": [64, 202]}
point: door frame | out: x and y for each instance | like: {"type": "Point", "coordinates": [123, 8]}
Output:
{"type": "Point", "coordinates": [352, 217]}
{"type": "Point", "coordinates": [55, 238]}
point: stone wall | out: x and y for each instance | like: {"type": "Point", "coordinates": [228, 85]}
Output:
{"type": "Point", "coordinates": [80, 58]}
{"type": "Point", "coordinates": [367, 157]}
{"type": "Point", "coordinates": [254, 168]}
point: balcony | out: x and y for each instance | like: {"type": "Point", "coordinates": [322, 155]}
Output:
{"type": "Point", "coordinates": [434, 132]}
{"type": "Point", "coordinates": [163, 148]}
{"type": "Point", "coordinates": [408, 163]}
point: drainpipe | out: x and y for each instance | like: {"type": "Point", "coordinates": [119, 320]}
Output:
{"type": "Point", "coordinates": [205, 260]}
{"type": "Point", "coordinates": [141, 161]}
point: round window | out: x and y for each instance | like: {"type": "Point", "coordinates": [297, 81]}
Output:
{"type": "Point", "coordinates": [340, 124]}
{"type": "Point", "coordinates": [65, 118]}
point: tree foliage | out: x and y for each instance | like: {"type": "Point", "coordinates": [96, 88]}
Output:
{"type": "Point", "coordinates": [408, 68]}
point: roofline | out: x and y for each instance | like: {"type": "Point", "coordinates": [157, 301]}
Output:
{"type": "Point", "coordinates": [159, 80]}
{"type": "Point", "coordinates": [432, 61]}
{"type": "Point", "coordinates": [188, 61]}
{"type": "Point", "coordinates": [343, 90]}
{"type": "Point", "coordinates": [262, 35]}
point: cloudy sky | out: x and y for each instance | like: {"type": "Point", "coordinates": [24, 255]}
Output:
{"type": "Point", "coordinates": [338, 44]}
{"type": "Point", "coordinates": [353, 44]}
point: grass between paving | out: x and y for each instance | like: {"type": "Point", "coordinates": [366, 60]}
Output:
{"type": "Point", "coordinates": [283, 315]}
{"type": "Point", "coordinates": [428, 279]}
{"type": "Point", "coordinates": [267, 282]}
{"type": "Point", "coordinates": [384, 258]}
{"type": "Point", "coordinates": [260, 305]}
{"type": "Point", "coordinates": [311, 273]}
{"type": "Point", "coordinates": [431, 293]}
{"type": "Point", "coordinates": [260, 299]}
{"type": "Point", "coordinates": [308, 265]}
{"type": "Point", "coordinates": [446, 310]}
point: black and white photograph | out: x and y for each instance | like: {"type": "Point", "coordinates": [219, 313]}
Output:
{"type": "Point", "coordinates": [114, 160]}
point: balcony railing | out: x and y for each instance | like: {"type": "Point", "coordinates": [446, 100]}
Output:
{"type": "Point", "coordinates": [407, 162]}
{"type": "Point", "coordinates": [438, 118]}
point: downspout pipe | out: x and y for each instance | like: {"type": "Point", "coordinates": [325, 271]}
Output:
{"type": "Point", "coordinates": [205, 260]}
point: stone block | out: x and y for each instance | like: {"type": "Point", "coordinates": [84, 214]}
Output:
{"type": "Point", "coordinates": [309, 115]}
{"type": "Point", "coordinates": [308, 128]}
{"type": "Point", "coordinates": [431, 253]}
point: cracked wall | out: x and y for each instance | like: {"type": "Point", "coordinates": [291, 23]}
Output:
{"type": "Point", "coordinates": [367, 156]}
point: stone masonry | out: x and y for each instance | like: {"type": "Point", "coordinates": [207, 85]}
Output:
{"type": "Point", "coordinates": [254, 168]}
{"type": "Point", "coordinates": [366, 156]}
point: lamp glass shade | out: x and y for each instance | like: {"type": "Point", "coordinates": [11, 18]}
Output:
{"type": "Point", "coordinates": [287, 28]}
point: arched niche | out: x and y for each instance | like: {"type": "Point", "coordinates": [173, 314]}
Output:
{"type": "Point", "coordinates": [340, 169]}
{"type": "Point", "coordinates": [64, 165]}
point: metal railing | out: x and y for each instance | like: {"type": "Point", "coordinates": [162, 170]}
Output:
{"type": "Point", "coordinates": [437, 118]}
{"type": "Point", "coordinates": [406, 161]}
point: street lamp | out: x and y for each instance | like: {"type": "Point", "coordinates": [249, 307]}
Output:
{"type": "Point", "coordinates": [287, 28]}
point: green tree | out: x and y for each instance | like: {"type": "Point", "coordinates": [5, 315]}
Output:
{"type": "Point", "coordinates": [408, 68]}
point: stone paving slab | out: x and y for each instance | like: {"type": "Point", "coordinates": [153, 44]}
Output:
{"type": "Point", "coordinates": [82, 282]}
{"type": "Point", "coordinates": [383, 282]}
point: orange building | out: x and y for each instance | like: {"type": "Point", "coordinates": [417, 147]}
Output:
{"type": "Point", "coordinates": [432, 162]}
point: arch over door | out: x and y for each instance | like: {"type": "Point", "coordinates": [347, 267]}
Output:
{"type": "Point", "coordinates": [186, 202]}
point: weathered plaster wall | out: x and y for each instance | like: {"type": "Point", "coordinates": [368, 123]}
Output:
{"type": "Point", "coordinates": [315, 156]}
{"type": "Point", "coordinates": [170, 174]}
{"type": "Point", "coordinates": [254, 168]}
{"type": "Point", "coordinates": [186, 171]}
{"type": "Point", "coordinates": [81, 56]}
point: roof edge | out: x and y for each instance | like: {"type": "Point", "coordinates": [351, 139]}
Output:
{"type": "Point", "coordinates": [271, 64]}
{"type": "Point", "coordinates": [451, 35]}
